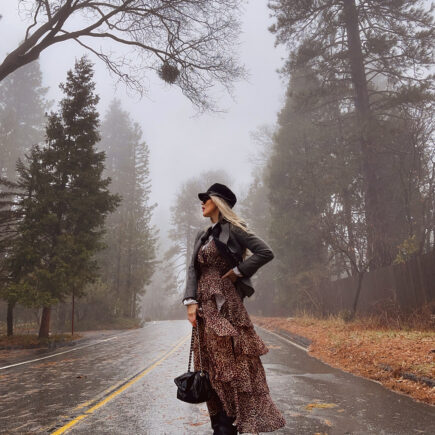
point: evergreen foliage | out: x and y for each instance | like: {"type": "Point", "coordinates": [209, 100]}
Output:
{"type": "Point", "coordinates": [22, 116]}
{"type": "Point", "coordinates": [129, 260]}
{"type": "Point", "coordinates": [372, 61]}
{"type": "Point", "coordinates": [327, 156]}
{"type": "Point", "coordinates": [64, 201]}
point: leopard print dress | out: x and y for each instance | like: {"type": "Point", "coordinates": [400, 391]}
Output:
{"type": "Point", "coordinates": [231, 349]}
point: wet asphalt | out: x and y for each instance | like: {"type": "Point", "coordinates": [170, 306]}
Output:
{"type": "Point", "coordinates": [122, 383]}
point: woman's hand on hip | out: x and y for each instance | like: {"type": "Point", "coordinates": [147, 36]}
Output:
{"type": "Point", "coordinates": [231, 275]}
{"type": "Point", "coordinates": [191, 313]}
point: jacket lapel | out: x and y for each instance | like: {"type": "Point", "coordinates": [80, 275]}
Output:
{"type": "Point", "coordinates": [225, 232]}
{"type": "Point", "coordinates": [197, 244]}
{"type": "Point", "coordinates": [223, 237]}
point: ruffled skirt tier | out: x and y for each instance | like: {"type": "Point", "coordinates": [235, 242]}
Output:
{"type": "Point", "coordinates": [231, 350]}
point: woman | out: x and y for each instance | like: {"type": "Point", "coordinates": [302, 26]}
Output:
{"type": "Point", "coordinates": [218, 279]}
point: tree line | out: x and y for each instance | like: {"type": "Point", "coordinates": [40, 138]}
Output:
{"type": "Point", "coordinates": [74, 200]}
{"type": "Point", "coordinates": [350, 175]}
{"type": "Point", "coordinates": [346, 183]}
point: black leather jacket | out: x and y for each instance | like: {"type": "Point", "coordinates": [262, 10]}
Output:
{"type": "Point", "coordinates": [236, 240]}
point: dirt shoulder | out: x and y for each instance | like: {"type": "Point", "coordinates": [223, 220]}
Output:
{"type": "Point", "coordinates": [402, 360]}
{"type": "Point", "coordinates": [28, 341]}
{"type": "Point", "coordinates": [24, 347]}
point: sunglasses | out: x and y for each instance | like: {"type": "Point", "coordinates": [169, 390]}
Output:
{"type": "Point", "coordinates": [203, 201]}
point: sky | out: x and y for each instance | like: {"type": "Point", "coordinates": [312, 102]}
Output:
{"type": "Point", "coordinates": [182, 143]}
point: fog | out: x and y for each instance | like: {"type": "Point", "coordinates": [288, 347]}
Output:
{"type": "Point", "coordinates": [332, 158]}
{"type": "Point", "coordinates": [182, 142]}
{"type": "Point", "coordinates": [318, 119]}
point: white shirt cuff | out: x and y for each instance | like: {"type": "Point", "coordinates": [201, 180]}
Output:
{"type": "Point", "coordinates": [189, 301]}
{"type": "Point", "coordinates": [237, 271]}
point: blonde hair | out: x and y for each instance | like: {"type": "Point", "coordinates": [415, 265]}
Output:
{"type": "Point", "coordinates": [228, 214]}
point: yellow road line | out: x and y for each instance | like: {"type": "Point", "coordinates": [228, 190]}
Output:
{"type": "Point", "coordinates": [102, 394]}
{"type": "Point", "coordinates": [102, 402]}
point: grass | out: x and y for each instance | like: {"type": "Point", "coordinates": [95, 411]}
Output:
{"type": "Point", "coordinates": [379, 351]}
{"type": "Point", "coordinates": [117, 323]}
{"type": "Point", "coordinates": [21, 328]}
{"type": "Point", "coordinates": [26, 341]}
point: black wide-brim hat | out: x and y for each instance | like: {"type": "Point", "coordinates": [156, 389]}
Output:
{"type": "Point", "coordinates": [221, 191]}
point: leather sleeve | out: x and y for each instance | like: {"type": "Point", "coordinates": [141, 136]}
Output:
{"type": "Point", "coordinates": [191, 282]}
{"type": "Point", "coordinates": [261, 251]}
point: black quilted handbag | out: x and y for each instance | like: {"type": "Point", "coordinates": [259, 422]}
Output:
{"type": "Point", "coordinates": [194, 387]}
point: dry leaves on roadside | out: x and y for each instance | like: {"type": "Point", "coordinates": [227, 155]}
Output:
{"type": "Point", "coordinates": [380, 354]}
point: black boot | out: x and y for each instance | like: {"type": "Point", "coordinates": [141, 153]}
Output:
{"type": "Point", "coordinates": [214, 421]}
{"type": "Point", "coordinates": [222, 424]}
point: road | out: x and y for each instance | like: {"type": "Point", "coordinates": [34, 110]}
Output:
{"type": "Point", "coordinates": [123, 384]}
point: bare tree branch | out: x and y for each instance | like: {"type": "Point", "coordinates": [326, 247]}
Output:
{"type": "Point", "coordinates": [196, 38]}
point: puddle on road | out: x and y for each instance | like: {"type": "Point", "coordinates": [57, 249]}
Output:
{"type": "Point", "coordinates": [280, 369]}
{"type": "Point", "coordinates": [317, 376]}
{"type": "Point", "coordinates": [277, 369]}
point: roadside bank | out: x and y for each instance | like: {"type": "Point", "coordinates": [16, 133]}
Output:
{"type": "Point", "coordinates": [402, 360]}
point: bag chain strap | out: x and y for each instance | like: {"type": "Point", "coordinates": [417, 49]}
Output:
{"type": "Point", "coordinates": [191, 351]}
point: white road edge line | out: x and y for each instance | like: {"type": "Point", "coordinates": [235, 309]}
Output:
{"type": "Point", "coordinates": [283, 338]}
{"type": "Point", "coordinates": [55, 354]}
{"type": "Point", "coordinates": [58, 353]}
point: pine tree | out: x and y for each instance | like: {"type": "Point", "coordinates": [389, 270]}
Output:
{"type": "Point", "coordinates": [9, 219]}
{"type": "Point", "coordinates": [117, 144]}
{"type": "Point", "coordinates": [301, 177]}
{"type": "Point", "coordinates": [129, 260]}
{"type": "Point", "coordinates": [65, 201]}
{"type": "Point", "coordinates": [384, 50]}
{"type": "Point", "coordinates": [316, 190]}
{"type": "Point", "coordinates": [22, 116]}
{"type": "Point", "coordinates": [141, 235]}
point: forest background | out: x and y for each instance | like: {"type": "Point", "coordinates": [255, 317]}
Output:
{"type": "Point", "coordinates": [343, 182]}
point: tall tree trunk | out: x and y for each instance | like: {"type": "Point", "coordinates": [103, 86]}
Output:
{"type": "Point", "coordinates": [378, 250]}
{"type": "Point", "coordinates": [10, 319]}
{"type": "Point", "coordinates": [129, 265]}
{"type": "Point", "coordinates": [72, 314]}
{"type": "Point", "coordinates": [44, 329]}
{"type": "Point", "coordinates": [134, 305]}
{"type": "Point", "coordinates": [347, 208]}
{"type": "Point", "coordinates": [62, 316]}
{"type": "Point", "coordinates": [118, 267]}
{"type": "Point", "coordinates": [357, 294]}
